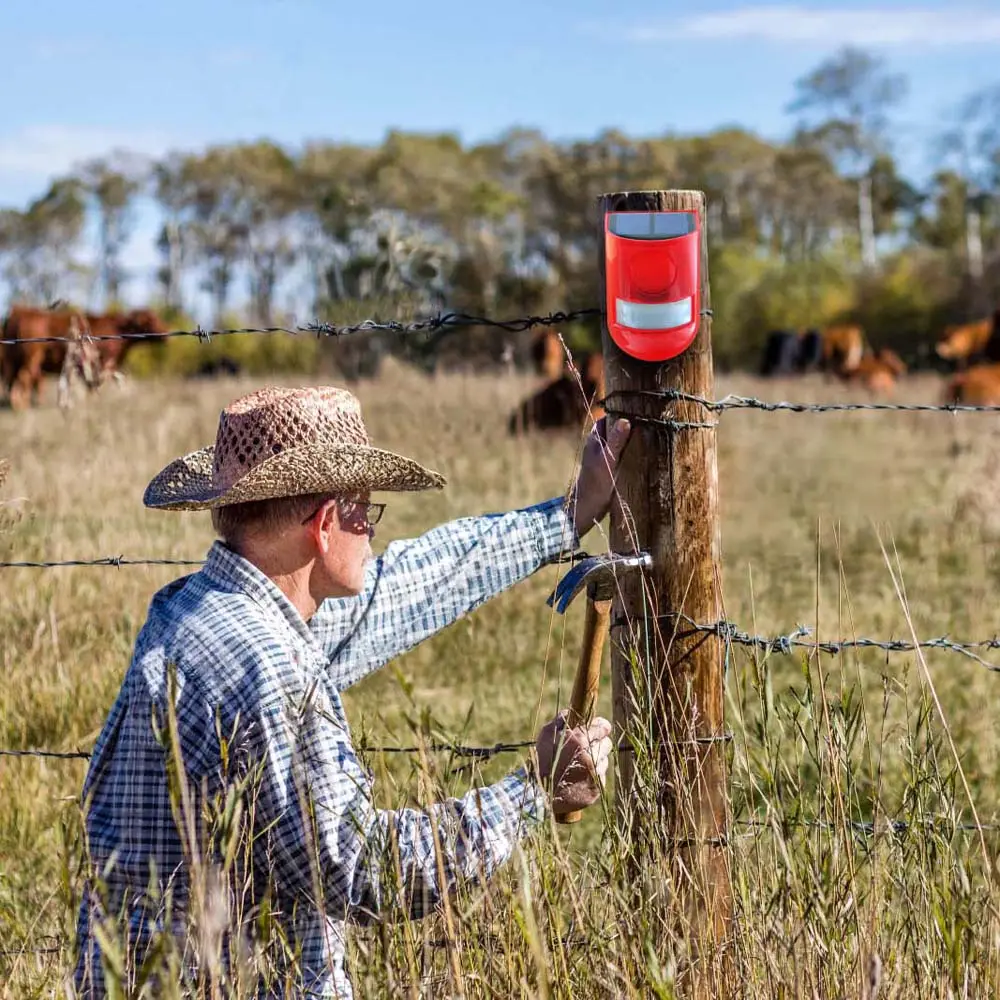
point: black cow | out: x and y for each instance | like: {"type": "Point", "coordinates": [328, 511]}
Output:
{"type": "Point", "coordinates": [217, 367]}
{"type": "Point", "coordinates": [780, 353]}
{"type": "Point", "coordinates": [810, 351]}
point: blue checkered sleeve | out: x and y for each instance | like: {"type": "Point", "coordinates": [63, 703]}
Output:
{"type": "Point", "coordinates": [419, 586]}
{"type": "Point", "coordinates": [324, 832]}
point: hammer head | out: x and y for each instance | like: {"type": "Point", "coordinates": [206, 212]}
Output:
{"type": "Point", "coordinates": [598, 573]}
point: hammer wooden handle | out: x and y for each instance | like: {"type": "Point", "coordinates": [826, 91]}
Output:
{"type": "Point", "coordinates": [588, 675]}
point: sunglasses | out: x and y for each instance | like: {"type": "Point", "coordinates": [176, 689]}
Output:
{"type": "Point", "coordinates": [373, 511]}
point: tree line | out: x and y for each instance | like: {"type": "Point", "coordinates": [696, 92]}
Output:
{"type": "Point", "coordinates": [822, 227]}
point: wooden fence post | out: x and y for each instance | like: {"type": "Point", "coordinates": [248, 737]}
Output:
{"type": "Point", "coordinates": [668, 484]}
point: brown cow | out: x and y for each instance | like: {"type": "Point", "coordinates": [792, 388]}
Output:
{"type": "Point", "coordinates": [23, 364]}
{"type": "Point", "coordinates": [878, 372]}
{"type": "Point", "coordinates": [843, 348]}
{"type": "Point", "coordinates": [82, 360]}
{"type": "Point", "coordinates": [976, 386]}
{"type": "Point", "coordinates": [888, 357]}
{"type": "Point", "coordinates": [548, 354]}
{"type": "Point", "coordinates": [591, 368]}
{"type": "Point", "coordinates": [964, 342]}
{"type": "Point", "coordinates": [561, 403]}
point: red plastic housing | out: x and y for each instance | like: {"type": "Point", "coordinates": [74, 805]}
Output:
{"type": "Point", "coordinates": [653, 282]}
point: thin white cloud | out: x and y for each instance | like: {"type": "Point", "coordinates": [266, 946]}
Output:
{"type": "Point", "coordinates": [792, 24]}
{"type": "Point", "coordinates": [41, 151]}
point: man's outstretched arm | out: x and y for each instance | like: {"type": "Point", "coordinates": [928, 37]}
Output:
{"type": "Point", "coordinates": [420, 586]}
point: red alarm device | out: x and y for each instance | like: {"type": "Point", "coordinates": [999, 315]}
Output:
{"type": "Point", "coordinates": [653, 281]}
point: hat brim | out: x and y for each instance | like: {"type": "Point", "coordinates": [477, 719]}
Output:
{"type": "Point", "coordinates": [186, 483]}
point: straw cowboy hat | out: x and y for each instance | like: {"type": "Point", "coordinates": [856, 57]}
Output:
{"type": "Point", "coordinates": [279, 442]}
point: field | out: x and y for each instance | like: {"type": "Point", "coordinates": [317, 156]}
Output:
{"type": "Point", "coordinates": [828, 521]}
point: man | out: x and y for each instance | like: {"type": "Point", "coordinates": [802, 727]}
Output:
{"type": "Point", "coordinates": [254, 649]}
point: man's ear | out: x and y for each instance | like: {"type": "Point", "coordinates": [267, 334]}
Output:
{"type": "Point", "coordinates": [322, 526]}
{"type": "Point", "coordinates": [326, 525]}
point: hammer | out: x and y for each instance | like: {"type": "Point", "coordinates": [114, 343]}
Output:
{"type": "Point", "coordinates": [598, 574]}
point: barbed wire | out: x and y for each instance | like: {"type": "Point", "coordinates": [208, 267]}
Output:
{"type": "Point", "coordinates": [734, 402]}
{"type": "Point", "coordinates": [445, 321]}
{"type": "Point", "coordinates": [55, 754]}
{"type": "Point", "coordinates": [115, 561]}
{"type": "Point", "coordinates": [870, 827]}
{"type": "Point", "coordinates": [482, 752]}
{"type": "Point", "coordinates": [119, 561]}
{"type": "Point", "coordinates": [458, 749]}
{"type": "Point", "coordinates": [53, 949]}
{"type": "Point", "coordinates": [732, 634]}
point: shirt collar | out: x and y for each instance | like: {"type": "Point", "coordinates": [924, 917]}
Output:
{"type": "Point", "coordinates": [230, 571]}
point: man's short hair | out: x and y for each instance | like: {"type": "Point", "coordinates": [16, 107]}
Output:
{"type": "Point", "coordinates": [233, 522]}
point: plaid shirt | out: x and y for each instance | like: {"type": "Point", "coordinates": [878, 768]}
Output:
{"type": "Point", "coordinates": [248, 664]}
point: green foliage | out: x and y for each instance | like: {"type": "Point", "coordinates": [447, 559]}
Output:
{"type": "Point", "coordinates": [254, 354]}
{"type": "Point", "coordinates": [908, 303]}
{"type": "Point", "coordinates": [753, 293]}
{"type": "Point", "coordinates": [904, 306]}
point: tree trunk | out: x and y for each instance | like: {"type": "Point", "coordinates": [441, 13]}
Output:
{"type": "Point", "coordinates": [866, 221]}
{"type": "Point", "coordinates": [172, 292]}
{"type": "Point", "coordinates": [974, 242]}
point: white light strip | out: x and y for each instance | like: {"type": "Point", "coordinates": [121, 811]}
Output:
{"type": "Point", "coordinates": [653, 315]}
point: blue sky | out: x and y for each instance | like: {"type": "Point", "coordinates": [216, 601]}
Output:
{"type": "Point", "coordinates": [81, 79]}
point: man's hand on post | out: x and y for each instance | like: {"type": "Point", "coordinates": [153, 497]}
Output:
{"type": "Point", "coordinates": [595, 484]}
{"type": "Point", "coordinates": [576, 761]}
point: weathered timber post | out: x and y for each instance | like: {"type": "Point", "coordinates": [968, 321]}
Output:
{"type": "Point", "coordinates": [668, 485]}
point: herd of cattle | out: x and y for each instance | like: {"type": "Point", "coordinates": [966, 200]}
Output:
{"type": "Point", "coordinates": [58, 341]}
{"type": "Point", "coordinates": [572, 391]}
{"type": "Point", "coordinates": [68, 343]}
{"type": "Point", "coordinates": [843, 352]}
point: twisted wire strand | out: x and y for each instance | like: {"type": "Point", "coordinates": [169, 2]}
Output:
{"type": "Point", "coordinates": [735, 402]}
{"type": "Point", "coordinates": [446, 321]}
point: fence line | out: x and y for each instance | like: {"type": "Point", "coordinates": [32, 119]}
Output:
{"type": "Point", "coordinates": [732, 634]}
{"type": "Point", "coordinates": [886, 825]}
{"type": "Point", "coordinates": [487, 752]}
{"type": "Point", "coordinates": [116, 561]}
{"type": "Point", "coordinates": [446, 321]}
{"type": "Point", "coordinates": [734, 402]}
{"type": "Point", "coordinates": [55, 754]}
{"type": "Point", "coordinates": [458, 749]}
{"type": "Point", "coordinates": [119, 561]}
{"type": "Point", "coordinates": [867, 828]}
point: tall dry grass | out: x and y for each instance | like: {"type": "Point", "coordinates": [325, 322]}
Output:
{"type": "Point", "coordinates": [853, 524]}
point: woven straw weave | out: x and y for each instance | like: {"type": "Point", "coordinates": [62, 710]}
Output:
{"type": "Point", "coordinates": [278, 442]}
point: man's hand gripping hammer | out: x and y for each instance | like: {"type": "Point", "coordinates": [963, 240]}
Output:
{"type": "Point", "coordinates": [598, 574]}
